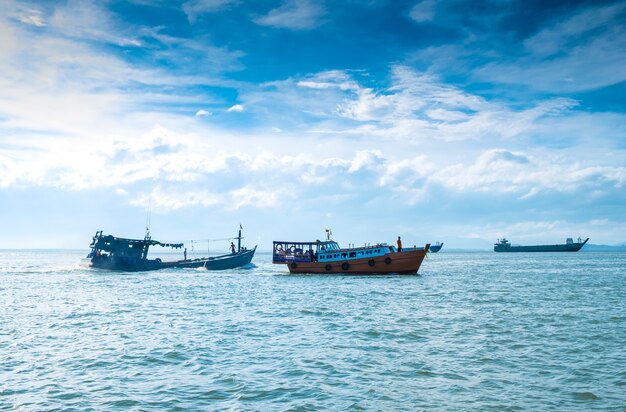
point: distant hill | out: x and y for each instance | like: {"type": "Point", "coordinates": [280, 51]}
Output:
{"type": "Point", "coordinates": [590, 247]}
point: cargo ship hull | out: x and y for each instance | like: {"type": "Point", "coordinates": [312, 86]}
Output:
{"type": "Point", "coordinates": [505, 246]}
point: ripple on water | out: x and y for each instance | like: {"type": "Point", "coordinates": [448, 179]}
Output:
{"type": "Point", "coordinates": [474, 332]}
{"type": "Point", "coordinates": [585, 396]}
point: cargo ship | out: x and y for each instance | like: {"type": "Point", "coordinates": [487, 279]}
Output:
{"type": "Point", "coordinates": [503, 245]}
{"type": "Point", "coordinates": [327, 257]}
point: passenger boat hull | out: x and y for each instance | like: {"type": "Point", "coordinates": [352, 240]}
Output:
{"type": "Point", "coordinates": [405, 263]}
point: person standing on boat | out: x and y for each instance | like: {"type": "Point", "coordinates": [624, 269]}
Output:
{"type": "Point", "coordinates": [185, 254]}
{"type": "Point", "coordinates": [399, 244]}
{"type": "Point", "coordinates": [232, 247]}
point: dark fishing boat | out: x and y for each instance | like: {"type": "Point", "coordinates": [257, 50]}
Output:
{"type": "Point", "coordinates": [131, 255]}
{"type": "Point", "coordinates": [327, 257]}
{"type": "Point", "coordinates": [504, 245]}
{"type": "Point", "coordinates": [436, 247]}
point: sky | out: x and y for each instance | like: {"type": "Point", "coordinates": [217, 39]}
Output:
{"type": "Point", "coordinates": [453, 121]}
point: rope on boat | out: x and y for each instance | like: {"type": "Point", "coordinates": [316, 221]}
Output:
{"type": "Point", "coordinates": [208, 243]}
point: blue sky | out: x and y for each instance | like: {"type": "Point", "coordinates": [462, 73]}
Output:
{"type": "Point", "coordinates": [444, 121]}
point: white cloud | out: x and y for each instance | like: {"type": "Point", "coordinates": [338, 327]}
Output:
{"type": "Point", "coordinates": [332, 79]}
{"type": "Point", "coordinates": [203, 113]}
{"type": "Point", "coordinates": [33, 19]}
{"type": "Point", "coordinates": [584, 51]}
{"type": "Point", "coordinates": [250, 196]}
{"type": "Point", "coordinates": [76, 89]}
{"type": "Point", "coordinates": [450, 116]}
{"type": "Point", "coordinates": [236, 108]}
{"type": "Point", "coordinates": [556, 38]}
{"type": "Point", "coordinates": [195, 8]}
{"type": "Point", "coordinates": [502, 171]}
{"type": "Point", "coordinates": [294, 15]}
{"type": "Point", "coordinates": [130, 42]}
{"type": "Point", "coordinates": [182, 164]}
{"type": "Point", "coordinates": [167, 200]}
{"type": "Point", "coordinates": [423, 11]}
{"type": "Point", "coordinates": [22, 12]}
{"type": "Point", "coordinates": [419, 106]}
{"type": "Point", "coordinates": [171, 171]}
{"type": "Point", "coordinates": [363, 159]}
{"type": "Point", "coordinates": [82, 20]}
{"type": "Point", "coordinates": [9, 171]}
{"type": "Point", "coordinates": [76, 118]}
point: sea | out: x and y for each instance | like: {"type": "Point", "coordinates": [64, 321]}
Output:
{"type": "Point", "coordinates": [473, 331]}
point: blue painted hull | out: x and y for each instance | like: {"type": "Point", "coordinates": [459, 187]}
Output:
{"type": "Point", "coordinates": [435, 248]}
{"type": "Point", "coordinates": [229, 261]}
{"type": "Point", "coordinates": [223, 262]}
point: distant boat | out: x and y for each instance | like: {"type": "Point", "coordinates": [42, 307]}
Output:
{"type": "Point", "coordinates": [326, 257]}
{"type": "Point", "coordinates": [131, 255]}
{"type": "Point", "coordinates": [504, 245]}
{"type": "Point", "coordinates": [436, 247]}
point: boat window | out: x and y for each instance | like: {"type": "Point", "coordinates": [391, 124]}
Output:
{"type": "Point", "coordinates": [293, 252]}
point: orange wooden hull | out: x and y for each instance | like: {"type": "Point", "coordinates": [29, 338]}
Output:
{"type": "Point", "coordinates": [405, 263]}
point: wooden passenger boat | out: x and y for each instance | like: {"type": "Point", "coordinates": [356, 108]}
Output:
{"type": "Point", "coordinates": [327, 257]}
{"type": "Point", "coordinates": [131, 255]}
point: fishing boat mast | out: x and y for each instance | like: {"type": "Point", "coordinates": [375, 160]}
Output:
{"type": "Point", "coordinates": [239, 240]}
{"type": "Point", "coordinates": [146, 243]}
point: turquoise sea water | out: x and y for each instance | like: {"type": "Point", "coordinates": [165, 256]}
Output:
{"type": "Point", "coordinates": [474, 331]}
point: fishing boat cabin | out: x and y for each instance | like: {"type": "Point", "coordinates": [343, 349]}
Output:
{"type": "Point", "coordinates": [115, 253]}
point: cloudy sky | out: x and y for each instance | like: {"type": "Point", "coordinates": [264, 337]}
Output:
{"type": "Point", "coordinates": [450, 121]}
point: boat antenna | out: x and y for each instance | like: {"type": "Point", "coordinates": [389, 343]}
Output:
{"type": "Point", "coordinates": [148, 218]}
